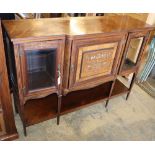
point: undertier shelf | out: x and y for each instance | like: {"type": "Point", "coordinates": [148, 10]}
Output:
{"type": "Point", "coordinates": [38, 110]}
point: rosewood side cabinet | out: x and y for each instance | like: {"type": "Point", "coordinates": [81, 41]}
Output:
{"type": "Point", "coordinates": [61, 65]}
{"type": "Point", "coordinates": [7, 124]}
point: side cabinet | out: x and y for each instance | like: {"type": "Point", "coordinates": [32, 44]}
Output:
{"type": "Point", "coordinates": [7, 124]}
{"type": "Point", "coordinates": [39, 65]}
{"type": "Point", "coordinates": [94, 60]}
{"type": "Point", "coordinates": [133, 51]}
{"type": "Point", "coordinates": [39, 68]}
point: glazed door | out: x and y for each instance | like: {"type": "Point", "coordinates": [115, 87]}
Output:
{"type": "Point", "coordinates": [94, 61]}
{"type": "Point", "coordinates": [41, 67]}
{"type": "Point", "coordinates": [133, 51]}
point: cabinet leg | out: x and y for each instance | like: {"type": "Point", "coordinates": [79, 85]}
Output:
{"type": "Point", "coordinates": [58, 119]}
{"type": "Point", "coordinates": [127, 96]}
{"type": "Point", "coordinates": [21, 112]}
{"type": "Point", "coordinates": [131, 86]}
{"type": "Point", "coordinates": [59, 108]}
{"type": "Point", "coordinates": [24, 129]}
{"type": "Point", "coordinates": [106, 105]}
{"type": "Point", "coordinates": [111, 89]}
{"type": "Point", "coordinates": [15, 101]}
{"type": "Point", "coordinates": [16, 109]}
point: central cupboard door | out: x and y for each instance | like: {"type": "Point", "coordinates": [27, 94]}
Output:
{"type": "Point", "coordinates": [41, 67]}
{"type": "Point", "coordinates": [94, 61]}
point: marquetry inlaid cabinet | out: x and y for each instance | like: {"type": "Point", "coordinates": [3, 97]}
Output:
{"type": "Point", "coordinates": [7, 125]}
{"type": "Point", "coordinates": [61, 65]}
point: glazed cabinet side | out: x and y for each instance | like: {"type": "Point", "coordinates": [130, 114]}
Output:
{"type": "Point", "coordinates": [135, 45]}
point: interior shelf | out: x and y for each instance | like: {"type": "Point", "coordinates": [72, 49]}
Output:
{"type": "Point", "coordinates": [128, 64]}
{"type": "Point", "coordinates": [40, 80]}
{"type": "Point", "coordinates": [38, 110]}
{"type": "Point", "coordinates": [128, 67]}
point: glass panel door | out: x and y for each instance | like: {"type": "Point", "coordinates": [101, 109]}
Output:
{"type": "Point", "coordinates": [132, 53]}
{"type": "Point", "coordinates": [41, 67]}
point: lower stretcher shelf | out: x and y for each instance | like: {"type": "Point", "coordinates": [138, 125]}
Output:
{"type": "Point", "coordinates": [38, 110]}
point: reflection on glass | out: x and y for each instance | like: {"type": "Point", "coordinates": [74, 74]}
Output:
{"type": "Point", "coordinates": [132, 53]}
{"type": "Point", "coordinates": [41, 68]}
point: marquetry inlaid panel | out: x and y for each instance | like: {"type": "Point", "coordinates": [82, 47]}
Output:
{"type": "Point", "coordinates": [96, 60]}
{"type": "Point", "coordinates": [40, 45]}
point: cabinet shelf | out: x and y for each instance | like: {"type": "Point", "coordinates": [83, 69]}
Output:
{"type": "Point", "coordinates": [128, 64]}
{"type": "Point", "coordinates": [39, 110]}
{"type": "Point", "coordinates": [40, 80]}
{"type": "Point", "coordinates": [128, 67]}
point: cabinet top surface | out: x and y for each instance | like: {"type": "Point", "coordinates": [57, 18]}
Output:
{"type": "Point", "coordinates": [29, 28]}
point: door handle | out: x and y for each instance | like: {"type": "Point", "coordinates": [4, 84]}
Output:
{"type": "Point", "coordinates": [59, 74]}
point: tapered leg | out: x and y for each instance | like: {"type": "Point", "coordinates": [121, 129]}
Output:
{"type": "Point", "coordinates": [106, 105]}
{"type": "Point", "coordinates": [24, 125]}
{"type": "Point", "coordinates": [59, 108]}
{"type": "Point", "coordinates": [16, 109]}
{"type": "Point", "coordinates": [15, 101]}
{"type": "Point", "coordinates": [131, 85]}
{"type": "Point", "coordinates": [24, 128]}
{"type": "Point", "coordinates": [110, 93]}
{"type": "Point", "coordinates": [127, 96]}
{"type": "Point", "coordinates": [21, 112]}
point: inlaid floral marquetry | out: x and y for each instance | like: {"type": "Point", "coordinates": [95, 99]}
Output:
{"type": "Point", "coordinates": [96, 60]}
{"type": "Point", "coordinates": [39, 45]}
